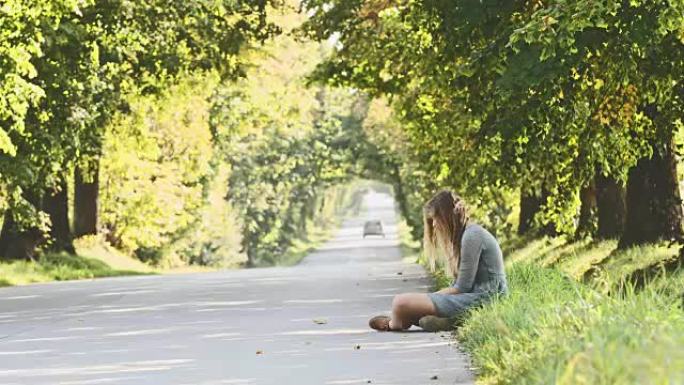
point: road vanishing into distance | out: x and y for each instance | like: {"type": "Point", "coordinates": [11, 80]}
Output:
{"type": "Point", "coordinates": [305, 324]}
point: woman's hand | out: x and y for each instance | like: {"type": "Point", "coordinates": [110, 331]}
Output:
{"type": "Point", "coordinates": [448, 290]}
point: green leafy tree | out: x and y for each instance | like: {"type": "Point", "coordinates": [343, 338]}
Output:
{"type": "Point", "coordinates": [277, 180]}
{"type": "Point", "coordinates": [86, 57]}
{"type": "Point", "coordinates": [538, 97]}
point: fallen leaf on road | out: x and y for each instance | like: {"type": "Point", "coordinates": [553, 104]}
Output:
{"type": "Point", "coordinates": [357, 347]}
{"type": "Point", "coordinates": [259, 352]}
{"type": "Point", "coordinates": [320, 321]}
{"type": "Point", "coordinates": [433, 377]}
{"type": "Point", "coordinates": [400, 273]}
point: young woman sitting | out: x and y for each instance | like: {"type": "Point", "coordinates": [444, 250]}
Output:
{"type": "Point", "coordinates": [473, 257]}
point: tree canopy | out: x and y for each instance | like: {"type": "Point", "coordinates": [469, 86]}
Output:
{"type": "Point", "coordinates": [536, 96]}
{"type": "Point", "coordinates": [130, 120]}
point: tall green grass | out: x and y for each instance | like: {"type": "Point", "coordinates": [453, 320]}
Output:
{"type": "Point", "coordinates": [554, 330]}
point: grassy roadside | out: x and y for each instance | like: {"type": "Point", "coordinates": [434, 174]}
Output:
{"type": "Point", "coordinates": [96, 259]}
{"type": "Point", "coordinates": [578, 313]}
{"type": "Point", "coordinates": [571, 319]}
{"type": "Point", "coordinates": [93, 259]}
{"type": "Point", "coordinates": [99, 260]}
{"type": "Point", "coordinates": [58, 267]}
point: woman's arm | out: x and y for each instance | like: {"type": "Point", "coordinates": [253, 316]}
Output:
{"type": "Point", "coordinates": [448, 290]}
{"type": "Point", "coordinates": [471, 249]}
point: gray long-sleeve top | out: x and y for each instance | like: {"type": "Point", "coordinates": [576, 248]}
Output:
{"type": "Point", "coordinates": [481, 268]}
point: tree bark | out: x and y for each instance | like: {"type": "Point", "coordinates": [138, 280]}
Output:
{"type": "Point", "coordinates": [413, 220]}
{"type": "Point", "coordinates": [18, 244]}
{"type": "Point", "coordinates": [86, 201]}
{"type": "Point", "coordinates": [56, 205]}
{"type": "Point", "coordinates": [530, 205]}
{"type": "Point", "coordinates": [611, 209]}
{"type": "Point", "coordinates": [654, 210]}
{"type": "Point", "coordinates": [249, 240]}
{"type": "Point", "coordinates": [399, 193]}
{"type": "Point", "coordinates": [304, 214]}
{"type": "Point", "coordinates": [586, 225]}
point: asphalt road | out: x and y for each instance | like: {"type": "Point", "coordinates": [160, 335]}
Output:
{"type": "Point", "coordinates": [298, 325]}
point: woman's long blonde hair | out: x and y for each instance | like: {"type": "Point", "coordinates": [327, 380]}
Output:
{"type": "Point", "coordinates": [444, 218]}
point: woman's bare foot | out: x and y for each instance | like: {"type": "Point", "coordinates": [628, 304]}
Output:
{"type": "Point", "coordinates": [380, 323]}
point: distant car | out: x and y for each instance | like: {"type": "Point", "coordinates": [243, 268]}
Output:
{"type": "Point", "coordinates": [373, 228]}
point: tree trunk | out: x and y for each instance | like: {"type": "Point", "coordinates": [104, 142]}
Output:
{"type": "Point", "coordinates": [86, 201]}
{"type": "Point", "coordinates": [307, 212]}
{"type": "Point", "coordinates": [248, 250]}
{"type": "Point", "coordinates": [586, 225]}
{"type": "Point", "coordinates": [56, 205]}
{"type": "Point", "coordinates": [654, 210]}
{"type": "Point", "coordinates": [399, 193]}
{"type": "Point", "coordinates": [249, 239]}
{"type": "Point", "coordinates": [413, 220]}
{"type": "Point", "coordinates": [530, 205]}
{"type": "Point", "coordinates": [290, 225]}
{"type": "Point", "coordinates": [310, 207]}
{"type": "Point", "coordinates": [16, 243]}
{"type": "Point", "coordinates": [610, 202]}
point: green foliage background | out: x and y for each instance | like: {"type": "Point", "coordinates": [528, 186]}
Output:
{"type": "Point", "coordinates": [207, 144]}
{"type": "Point", "coordinates": [227, 132]}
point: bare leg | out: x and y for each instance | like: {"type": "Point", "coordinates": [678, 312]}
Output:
{"type": "Point", "coordinates": [408, 308]}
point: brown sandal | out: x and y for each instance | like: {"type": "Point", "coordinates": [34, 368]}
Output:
{"type": "Point", "coordinates": [380, 323]}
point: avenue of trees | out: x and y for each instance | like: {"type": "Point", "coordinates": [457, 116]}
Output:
{"type": "Point", "coordinates": [71, 71]}
{"type": "Point", "coordinates": [184, 130]}
{"type": "Point", "coordinates": [572, 108]}
{"type": "Point", "coordinates": [175, 131]}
